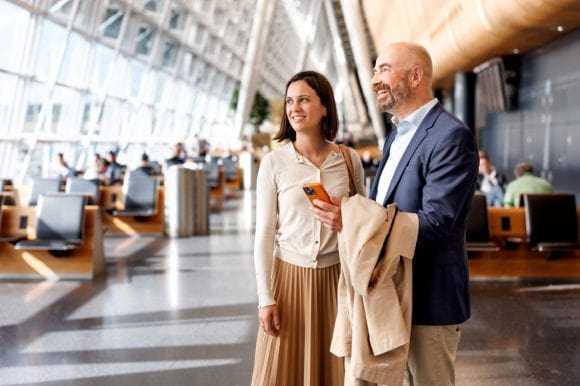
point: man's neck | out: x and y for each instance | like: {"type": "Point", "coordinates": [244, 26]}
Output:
{"type": "Point", "coordinates": [414, 104]}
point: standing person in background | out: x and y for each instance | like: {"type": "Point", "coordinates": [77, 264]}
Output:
{"type": "Point", "coordinates": [114, 172]}
{"type": "Point", "coordinates": [429, 167]}
{"type": "Point", "coordinates": [296, 257]}
{"type": "Point", "coordinates": [525, 182]}
{"type": "Point", "coordinates": [490, 181]}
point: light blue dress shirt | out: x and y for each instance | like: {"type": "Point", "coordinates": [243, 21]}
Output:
{"type": "Point", "coordinates": [406, 129]}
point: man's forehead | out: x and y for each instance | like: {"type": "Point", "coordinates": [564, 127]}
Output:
{"type": "Point", "coordinates": [385, 60]}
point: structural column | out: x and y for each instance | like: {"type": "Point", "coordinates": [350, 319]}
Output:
{"type": "Point", "coordinates": [253, 62]}
{"type": "Point", "coordinates": [354, 20]}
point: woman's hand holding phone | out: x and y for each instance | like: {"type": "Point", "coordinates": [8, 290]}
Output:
{"type": "Point", "coordinates": [327, 208]}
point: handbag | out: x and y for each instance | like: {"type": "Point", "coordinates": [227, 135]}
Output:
{"type": "Point", "coordinates": [346, 155]}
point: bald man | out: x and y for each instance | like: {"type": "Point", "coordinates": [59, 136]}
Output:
{"type": "Point", "coordinates": [429, 167]}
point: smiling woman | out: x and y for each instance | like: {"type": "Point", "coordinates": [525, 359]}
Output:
{"type": "Point", "coordinates": [295, 254]}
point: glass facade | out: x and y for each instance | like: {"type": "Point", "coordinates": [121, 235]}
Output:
{"type": "Point", "coordinates": [84, 76]}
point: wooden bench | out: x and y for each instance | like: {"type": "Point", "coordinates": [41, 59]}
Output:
{"type": "Point", "coordinates": [217, 194]}
{"type": "Point", "coordinates": [112, 198]}
{"type": "Point", "coordinates": [84, 263]}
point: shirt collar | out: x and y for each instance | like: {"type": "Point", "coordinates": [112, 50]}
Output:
{"type": "Point", "coordinates": [417, 116]}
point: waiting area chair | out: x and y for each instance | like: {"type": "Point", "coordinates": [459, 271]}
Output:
{"type": "Point", "coordinates": [139, 195]}
{"type": "Point", "coordinates": [60, 221]}
{"type": "Point", "coordinates": [43, 186]}
{"type": "Point", "coordinates": [89, 188]}
{"type": "Point", "coordinates": [478, 235]}
{"type": "Point", "coordinates": [551, 222]}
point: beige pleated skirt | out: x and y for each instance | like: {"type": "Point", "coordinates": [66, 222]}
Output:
{"type": "Point", "coordinates": [300, 354]}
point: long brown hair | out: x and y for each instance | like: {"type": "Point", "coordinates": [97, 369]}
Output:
{"type": "Point", "coordinates": [322, 87]}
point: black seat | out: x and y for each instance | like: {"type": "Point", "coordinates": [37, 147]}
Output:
{"type": "Point", "coordinates": [60, 220]}
{"type": "Point", "coordinates": [89, 188]}
{"type": "Point", "coordinates": [230, 167]}
{"type": "Point", "coordinates": [43, 186]}
{"type": "Point", "coordinates": [551, 222]}
{"type": "Point", "coordinates": [478, 235]}
{"type": "Point", "coordinates": [212, 170]}
{"type": "Point", "coordinates": [139, 195]}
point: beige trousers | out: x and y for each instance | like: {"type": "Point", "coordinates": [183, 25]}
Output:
{"type": "Point", "coordinates": [432, 355]}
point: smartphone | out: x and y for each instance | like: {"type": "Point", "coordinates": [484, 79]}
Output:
{"type": "Point", "coordinates": [315, 191]}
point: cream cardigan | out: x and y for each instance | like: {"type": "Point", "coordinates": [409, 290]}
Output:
{"type": "Point", "coordinates": [373, 323]}
{"type": "Point", "coordinates": [285, 226]}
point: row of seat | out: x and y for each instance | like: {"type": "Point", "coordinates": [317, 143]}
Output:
{"type": "Point", "coordinates": [550, 223]}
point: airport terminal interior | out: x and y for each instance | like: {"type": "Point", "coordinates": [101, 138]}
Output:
{"type": "Point", "coordinates": [136, 128]}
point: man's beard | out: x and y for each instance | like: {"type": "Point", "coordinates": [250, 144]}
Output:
{"type": "Point", "coordinates": [395, 96]}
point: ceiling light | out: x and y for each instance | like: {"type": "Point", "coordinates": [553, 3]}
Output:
{"type": "Point", "coordinates": [516, 51]}
{"type": "Point", "coordinates": [559, 28]}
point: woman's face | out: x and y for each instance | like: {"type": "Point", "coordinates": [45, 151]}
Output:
{"type": "Point", "coordinates": [303, 108]}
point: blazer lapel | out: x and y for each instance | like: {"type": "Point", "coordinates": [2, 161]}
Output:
{"type": "Point", "coordinates": [386, 151]}
{"type": "Point", "coordinates": [419, 136]}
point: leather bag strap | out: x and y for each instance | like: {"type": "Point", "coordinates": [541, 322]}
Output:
{"type": "Point", "coordinates": [346, 155]}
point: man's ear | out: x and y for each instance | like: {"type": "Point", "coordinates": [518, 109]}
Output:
{"type": "Point", "coordinates": [416, 75]}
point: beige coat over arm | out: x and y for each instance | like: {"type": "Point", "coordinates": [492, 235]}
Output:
{"type": "Point", "coordinates": [373, 323]}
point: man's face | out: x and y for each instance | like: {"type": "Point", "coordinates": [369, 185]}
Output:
{"type": "Point", "coordinates": [390, 82]}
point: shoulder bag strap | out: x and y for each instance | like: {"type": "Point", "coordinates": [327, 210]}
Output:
{"type": "Point", "coordinates": [346, 155]}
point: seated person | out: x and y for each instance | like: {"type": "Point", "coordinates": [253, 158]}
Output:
{"type": "Point", "coordinates": [179, 156]}
{"type": "Point", "coordinates": [65, 171]}
{"type": "Point", "coordinates": [525, 182]}
{"type": "Point", "coordinates": [145, 167]}
{"type": "Point", "coordinates": [490, 181]}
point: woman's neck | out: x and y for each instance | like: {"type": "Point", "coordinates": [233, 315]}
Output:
{"type": "Point", "coordinates": [315, 149]}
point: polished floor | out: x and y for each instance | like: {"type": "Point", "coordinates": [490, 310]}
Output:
{"type": "Point", "coordinates": [183, 312]}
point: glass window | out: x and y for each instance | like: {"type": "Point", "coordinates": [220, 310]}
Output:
{"type": "Point", "coordinates": [104, 57]}
{"type": "Point", "coordinates": [136, 71]}
{"type": "Point", "coordinates": [192, 34]}
{"type": "Point", "coordinates": [152, 5]}
{"type": "Point", "coordinates": [120, 82]}
{"type": "Point", "coordinates": [147, 87]}
{"type": "Point", "coordinates": [201, 73]}
{"type": "Point", "coordinates": [176, 17]}
{"type": "Point", "coordinates": [162, 88]}
{"type": "Point", "coordinates": [60, 7]}
{"type": "Point", "coordinates": [37, 92]}
{"type": "Point", "coordinates": [63, 112]}
{"type": "Point", "coordinates": [183, 97]}
{"type": "Point", "coordinates": [144, 40]}
{"type": "Point", "coordinates": [52, 43]}
{"type": "Point", "coordinates": [74, 60]}
{"type": "Point", "coordinates": [91, 110]}
{"type": "Point", "coordinates": [8, 83]}
{"type": "Point", "coordinates": [199, 36]}
{"type": "Point", "coordinates": [110, 26]}
{"type": "Point", "coordinates": [169, 54]}
{"type": "Point", "coordinates": [109, 125]}
{"type": "Point", "coordinates": [142, 122]}
{"type": "Point", "coordinates": [84, 14]}
{"type": "Point", "coordinates": [13, 26]}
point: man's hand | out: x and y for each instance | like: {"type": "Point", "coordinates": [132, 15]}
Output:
{"type": "Point", "coordinates": [328, 214]}
{"type": "Point", "coordinates": [269, 320]}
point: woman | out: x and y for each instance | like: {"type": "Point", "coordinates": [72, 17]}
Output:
{"type": "Point", "coordinates": [296, 256]}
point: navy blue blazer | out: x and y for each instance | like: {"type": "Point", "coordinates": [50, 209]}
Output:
{"type": "Point", "coordinates": [436, 179]}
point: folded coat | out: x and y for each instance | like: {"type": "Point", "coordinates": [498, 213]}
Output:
{"type": "Point", "coordinates": [373, 324]}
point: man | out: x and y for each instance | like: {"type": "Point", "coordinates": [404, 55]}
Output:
{"type": "Point", "coordinates": [490, 181]}
{"type": "Point", "coordinates": [525, 182]}
{"type": "Point", "coordinates": [429, 167]}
